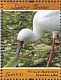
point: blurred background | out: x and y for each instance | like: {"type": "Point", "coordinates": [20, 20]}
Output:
{"type": "Point", "coordinates": [34, 54]}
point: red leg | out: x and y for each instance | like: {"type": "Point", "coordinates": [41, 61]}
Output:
{"type": "Point", "coordinates": [51, 53]}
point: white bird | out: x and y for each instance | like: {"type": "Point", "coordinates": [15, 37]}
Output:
{"type": "Point", "coordinates": [43, 21]}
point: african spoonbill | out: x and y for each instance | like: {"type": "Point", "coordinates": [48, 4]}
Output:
{"type": "Point", "coordinates": [43, 21]}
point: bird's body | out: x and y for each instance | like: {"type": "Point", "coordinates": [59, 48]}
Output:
{"type": "Point", "coordinates": [43, 21]}
{"type": "Point", "coordinates": [48, 20]}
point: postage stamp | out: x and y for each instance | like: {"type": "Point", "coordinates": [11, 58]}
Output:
{"type": "Point", "coordinates": [30, 39]}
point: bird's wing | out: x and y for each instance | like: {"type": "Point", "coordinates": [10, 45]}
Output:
{"type": "Point", "coordinates": [45, 14]}
{"type": "Point", "coordinates": [48, 15]}
{"type": "Point", "coordinates": [46, 19]}
{"type": "Point", "coordinates": [52, 14]}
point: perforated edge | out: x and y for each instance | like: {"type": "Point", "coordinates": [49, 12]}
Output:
{"type": "Point", "coordinates": [1, 41]}
{"type": "Point", "coordinates": [30, 1]}
{"type": "Point", "coordinates": [60, 39]}
{"type": "Point", "coordinates": [2, 37]}
{"type": "Point", "coordinates": [29, 79]}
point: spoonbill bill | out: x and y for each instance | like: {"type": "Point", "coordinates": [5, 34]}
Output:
{"type": "Point", "coordinates": [43, 21]}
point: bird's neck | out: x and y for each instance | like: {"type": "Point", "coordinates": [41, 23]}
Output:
{"type": "Point", "coordinates": [38, 34]}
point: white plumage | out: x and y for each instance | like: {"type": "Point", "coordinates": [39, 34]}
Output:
{"type": "Point", "coordinates": [43, 21]}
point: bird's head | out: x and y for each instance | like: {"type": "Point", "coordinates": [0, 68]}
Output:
{"type": "Point", "coordinates": [25, 35]}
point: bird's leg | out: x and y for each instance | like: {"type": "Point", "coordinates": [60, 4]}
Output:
{"type": "Point", "coordinates": [51, 53]}
{"type": "Point", "coordinates": [53, 44]}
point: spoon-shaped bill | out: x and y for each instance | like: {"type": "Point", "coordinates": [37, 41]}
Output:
{"type": "Point", "coordinates": [19, 46]}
